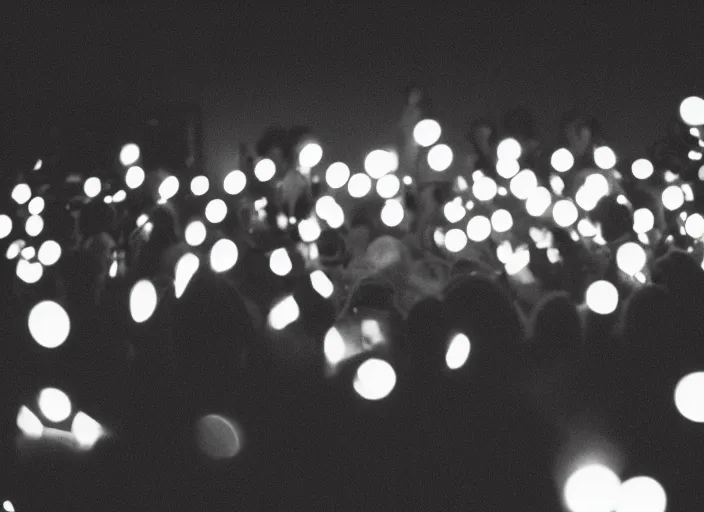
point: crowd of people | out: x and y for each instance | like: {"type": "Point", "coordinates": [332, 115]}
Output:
{"type": "Point", "coordinates": [511, 326]}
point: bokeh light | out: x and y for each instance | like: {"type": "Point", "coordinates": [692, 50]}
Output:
{"type": "Point", "coordinates": [557, 184]}
{"type": "Point", "coordinates": [457, 351]}
{"type": "Point", "coordinates": [28, 253]}
{"type": "Point", "coordinates": [186, 267]}
{"type": "Point", "coordinates": [454, 210]}
{"type": "Point", "coordinates": [218, 437]}
{"type": "Point", "coordinates": [310, 155]}
{"type": "Point", "coordinates": [265, 169]}
{"type": "Point", "coordinates": [129, 154]}
{"type": "Point", "coordinates": [49, 324]}
{"type": "Point", "coordinates": [501, 220]}
{"type": "Point", "coordinates": [234, 182]}
{"type": "Point", "coordinates": [92, 187]}
{"type": "Point", "coordinates": [143, 301]}
{"type": "Point", "coordinates": [334, 346]}
{"type": "Point", "coordinates": [5, 226]}
{"type": "Point", "coordinates": [562, 160]}
{"type": "Point", "coordinates": [379, 163]}
{"type": "Point", "coordinates": [284, 313]}
{"type": "Point", "coordinates": [427, 132]}
{"type": "Point", "coordinates": [13, 250]}
{"type": "Point", "coordinates": [602, 297]}
{"type": "Point", "coordinates": [195, 233]}
{"type": "Point", "coordinates": [507, 169]}
{"type": "Point", "coordinates": [388, 186]}
{"type": "Point", "coordinates": [478, 229]}
{"type": "Point", "coordinates": [593, 488]}
{"type": "Point", "coordinates": [200, 185]}
{"type": "Point", "coordinates": [484, 189]}
{"type": "Point", "coordinates": [86, 430]}
{"type": "Point", "coordinates": [168, 188]}
{"type": "Point", "coordinates": [392, 213]}
{"type": "Point", "coordinates": [641, 494]}
{"type": "Point", "coordinates": [280, 262]}
{"type": "Point", "coordinates": [538, 202]}
{"type": "Point", "coordinates": [54, 404]}
{"type": "Point", "coordinates": [36, 206]}
{"type": "Point", "coordinates": [21, 193]}
{"type": "Point", "coordinates": [508, 149]}
{"type": "Point", "coordinates": [631, 258]}
{"type": "Point", "coordinates": [642, 169]}
{"type": "Point", "coordinates": [643, 220]}
{"type": "Point", "coordinates": [309, 229]}
{"type": "Point", "coordinates": [49, 253]}
{"type": "Point", "coordinates": [29, 424]}
{"type": "Point", "coordinates": [7, 505]}
{"type": "Point", "coordinates": [216, 211]}
{"type": "Point", "coordinates": [692, 111]}
{"type": "Point", "coordinates": [28, 272]}
{"type": "Point", "coordinates": [359, 185]}
{"type": "Point", "coordinates": [586, 228]}
{"type": "Point", "coordinates": [321, 283]}
{"type": "Point", "coordinates": [518, 261]}
{"type": "Point", "coordinates": [455, 240]}
{"type": "Point", "coordinates": [375, 379]}
{"type": "Point", "coordinates": [672, 197]}
{"type": "Point", "coordinates": [337, 175]}
{"type": "Point", "coordinates": [694, 225]}
{"type": "Point", "coordinates": [604, 157]}
{"type": "Point", "coordinates": [565, 213]}
{"type": "Point", "coordinates": [223, 255]}
{"type": "Point", "coordinates": [440, 157]}
{"type": "Point", "coordinates": [523, 184]}
{"type": "Point", "coordinates": [119, 196]}
{"type": "Point", "coordinates": [134, 177]}
{"type": "Point", "coordinates": [689, 397]}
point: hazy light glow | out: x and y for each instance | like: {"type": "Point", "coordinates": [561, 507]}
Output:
{"type": "Point", "coordinates": [689, 397]}
{"type": "Point", "coordinates": [28, 272]}
{"type": "Point", "coordinates": [593, 488]}
{"type": "Point", "coordinates": [557, 184]}
{"type": "Point", "coordinates": [200, 185]}
{"type": "Point", "coordinates": [134, 177]}
{"type": "Point", "coordinates": [440, 157]}
{"type": "Point", "coordinates": [223, 255]}
{"type": "Point", "coordinates": [234, 182]}
{"type": "Point", "coordinates": [478, 228]}
{"type": "Point", "coordinates": [602, 297]}
{"type": "Point", "coordinates": [195, 233]}
{"type": "Point", "coordinates": [265, 169]}
{"type": "Point", "coordinates": [143, 301]}
{"type": "Point", "coordinates": [631, 258]}
{"type": "Point", "coordinates": [309, 229]}
{"type": "Point", "coordinates": [379, 163]}
{"type": "Point", "coordinates": [218, 437]}
{"type": "Point", "coordinates": [507, 168]}
{"type": "Point", "coordinates": [427, 132]}
{"type": "Point", "coordinates": [375, 379]}
{"type": "Point", "coordinates": [29, 424]}
{"type": "Point", "coordinates": [562, 160]}
{"type": "Point", "coordinates": [523, 183]}
{"type": "Point", "coordinates": [359, 185]}
{"type": "Point", "coordinates": [642, 169]}
{"type": "Point", "coordinates": [501, 220]}
{"type": "Point", "coordinates": [454, 210]}
{"type": "Point", "coordinates": [168, 188]}
{"type": "Point", "coordinates": [86, 430]}
{"type": "Point", "coordinates": [457, 351]}
{"type": "Point", "coordinates": [672, 197]}
{"type": "Point", "coordinates": [565, 213]}
{"type": "Point", "coordinates": [388, 186]}
{"type": "Point", "coordinates": [392, 213]}
{"type": "Point", "coordinates": [280, 262]}
{"type": "Point", "coordinates": [310, 155]}
{"type": "Point", "coordinates": [455, 240]}
{"type": "Point", "coordinates": [186, 267]}
{"type": "Point", "coordinates": [284, 313]}
{"type": "Point", "coordinates": [54, 404]}
{"type": "Point", "coordinates": [129, 154]}
{"type": "Point", "coordinates": [334, 346]}
{"type": "Point", "coordinates": [321, 283]}
{"type": "Point", "coordinates": [49, 324]}
{"type": "Point", "coordinates": [604, 157]}
{"type": "Point", "coordinates": [5, 226]}
{"type": "Point", "coordinates": [337, 175]}
{"type": "Point", "coordinates": [484, 189]}
{"type": "Point", "coordinates": [216, 211]}
{"type": "Point", "coordinates": [36, 206]}
{"type": "Point", "coordinates": [92, 187]}
{"type": "Point", "coordinates": [692, 111]}
{"type": "Point", "coordinates": [538, 202]}
{"type": "Point", "coordinates": [641, 494]}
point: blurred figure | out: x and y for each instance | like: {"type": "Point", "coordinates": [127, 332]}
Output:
{"type": "Point", "coordinates": [580, 135]}
{"type": "Point", "coordinates": [482, 138]}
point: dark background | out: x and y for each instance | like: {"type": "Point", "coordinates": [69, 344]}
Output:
{"type": "Point", "coordinates": [342, 69]}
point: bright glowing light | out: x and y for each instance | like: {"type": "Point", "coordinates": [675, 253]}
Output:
{"type": "Point", "coordinates": [265, 169]}
{"type": "Point", "coordinates": [643, 220]}
{"type": "Point", "coordinates": [119, 196]}
{"type": "Point", "coordinates": [195, 233]}
{"type": "Point", "coordinates": [143, 301]}
{"type": "Point", "coordinates": [334, 346]}
{"type": "Point", "coordinates": [692, 111]}
{"type": "Point", "coordinates": [322, 284]}
{"type": "Point", "coordinates": [28, 272]}
{"type": "Point", "coordinates": [538, 202]}
{"type": "Point", "coordinates": [478, 228]}
{"type": "Point", "coordinates": [455, 240]}
{"type": "Point", "coordinates": [218, 437]}
{"type": "Point", "coordinates": [557, 184]}
{"type": "Point", "coordinates": [375, 379]}
{"type": "Point", "coordinates": [107, 199]}
{"type": "Point", "coordinates": [49, 253]}
{"type": "Point", "coordinates": [586, 228]}
{"type": "Point", "coordinates": [324, 205]}
{"type": "Point", "coordinates": [501, 220]}
{"type": "Point", "coordinates": [518, 261]}
{"type": "Point", "coordinates": [5, 226]}
{"type": "Point", "coordinates": [457, 351]}
{"type": "Point", "coordinates": [631, 258]}
{"type": "Point", "coordinates": [129, 154]}
{"type": "Point", "coordinates": [28, 253]}
{"type": "Point", "coordinates": [234, 182]}
{"type": "Point", "coordinates": [507, 168]}
{"type": "Point", "coordinates": [672, 197]}
{"type": "Point", "coordinates": [142, 220]}
{"type": "Point", "coordinates": [641, 494]}
{"type": "Point", "coordinates": [223, 255]}
{"type": "Point", "coordinates": [310, 155]}
{"type": "Point", "coordinates": [168, 188]}
{"type": "Point", "coordinates": [689, 397]}
{"type": "Point", "coordinates": [642, 169]}
{"type": "Point", "coordinates": [427, 132]}
{"type": "Point", "coordinates": [602, 297]}
{"type": "Point", "coordinates": [86, 430]}
{"type": "Point", "coordinates": [134, 177]}
{"type": "Point", "coordinates": [688, 192]}
{"type": "Point", "coordinates": [439, 237]}
{"type": "Point", "coordinates": [392, 213]}
{"type": "Point", "coordinates": [509, 149]}
{"type": "Point", "coordinates": [562, 160]}
{"type": "Point", "coordinates": [694, 155]}
{"type": "Point", "coordinates": [7, 504]}
{"type": "Point", "coordinates": [216, 211]}
{"type": "Point", "coordinates": [593, 488]}
{"type": "Point", "coordinates": [388, 186]}
{"type": "Point", "coordinates": [21, 193]}
{"type": "Point", "coordinates": [695, 225]}
{"type": "Point", "coordinates": [49, 324]}
{"type": "Point", "coordinates": [523, 183]}
{"type": "Point", "coordinates": [670, 176]}
{"type": "Point", "coordinates": [284, 313]}
{"type": "Point", "coordinates": [37, 165]}
{"type": "Point", "coordinates": [604, 157]}
{"type": "Point", "coordinates": [309, 229]}
{"type": "Point", "coordinates": [440, 157]}
{"type": "Point", "coordinates": [359, 185]}
{"type": "Point", "coordinates": [379, 163]}
{"type": "Point", "coordinates": [36, 206]}
{"type": "Point", "coordinates": [336, 216]}
{"type": "Point", "coordinates": [29, 424]}
{"type": "Point", "coordinates": [54, 404]}
{"type": "Point", "coordinates": [186, 267]}
{"type": "Point", "coordinates": [337, 175]}
{"type": "Point", "coordinates": [280, 262]}
{"type": "Point", "coordinates": [13, 250]}
{"type": "Point", "coordinates": [454, 211]}
{"type": "Point", "coordinates": [92, 187]}
{"type": "Point", "coordinates": [199, 185]}
{"type": "Point", "coordinates": [694, 132]}
{"type": "Point", "coordinates": [565, 213]}
{"type": "Point", "coordinates": [484, 189]}
{"type": "Point", "coordinates": [407, 180]}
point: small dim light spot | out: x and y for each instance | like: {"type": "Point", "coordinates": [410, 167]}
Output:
{"type": "Point", "coordinates": [37, 165]}
{"type": "Point", "coordinates": [218, 437]}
